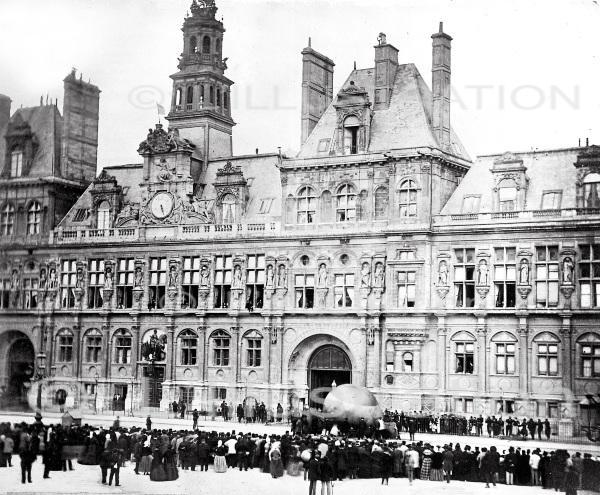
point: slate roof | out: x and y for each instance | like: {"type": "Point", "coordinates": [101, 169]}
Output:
{"type": "Point", "coordinates": [406, 123]}
{"type": "Point", "coordinates": [46, 124]}
{"type": "Point", "coordinates": [547, 170]}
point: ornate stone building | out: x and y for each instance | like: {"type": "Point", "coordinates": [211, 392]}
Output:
{"type": "Point", "coordinates": [380, 255]}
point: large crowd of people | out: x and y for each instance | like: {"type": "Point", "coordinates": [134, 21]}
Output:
{"type": "Point", "coordinates": [321, 458]}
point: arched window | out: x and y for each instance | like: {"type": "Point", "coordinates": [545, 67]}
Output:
{"type": "Point", "coordinates": [306, 205]}
{"type": "Point", "coordinates": [206, 44]}
{"type": "Point", "coordinates": [221, 342]}
{"type": "Point", "coordinates": [591, 191]}
{"type": "Point", "coordinates": [64, 346]}
{"type": "Point", "coordinates": [34, 216]}
{"type": "Point", "coordinates": [225, 100]}
{"type": "Point", "coordinates": [228, 208]}
{"type": "Point", "coordinates": [218, 46]}
{"type": "Point", "coordinates": [189, 98]}
{"type": "Point", "coordinates": [254, 342]}
{"type": "Point", "coordinates": [193, 45]}
{"type": "Point", "coordinates": [346, 203]}
{"type": "Point", "coordinates": [178, 97]}
{"type": "Point", "coordinates": [16, 163]}
{"type": "Point", "coordinates": [351, 127]}
{"type": "Point", "coordinates": [7, 221]}
{"type": "Point", "coordinates": [211, 94]}
{"type": "Point", "coordinates": [407, 195]}
{"type": "Point", "coordinates": [464, 352]}
{"type": "Point", "coordinates": [547, 353]}
{"type": "Point", "coordinates": [218, 97]}
{"type": "Point", "coordinates": [381, 202]}
{"type": "Point", "coordinates": [202, 93]}
{"type": "Point", "coordinates": [589, 355]}
{"type": "Point", "coordinates": [407, 362]}
{"type": "Point", "coordinates": [93, 346]}
{"type": "Point", "coordinates": [504, 347]}
{"type": "Point", "coordinates": [122, 340]}
{"type": "Point", "coordinates": [188, 344]}
{"type": "Point", "coordinates": [103, 219]}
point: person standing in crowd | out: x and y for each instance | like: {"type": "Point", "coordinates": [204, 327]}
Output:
{"type": "Point", "coordinates": [490, 464]}
{"type": "Point", "coordinates": [509, 466]}
{"type": "Point", "coordinates": [313, 470]}
{"type": "Point", "coordinates": [182, 408]}
{"type": "Point", "coordinates": [448, 463]}
{"type": "Point", "coordinates": [411, 463]}
{"type": "Point", "coordinates": [279, 412]}
{"type": "Point", "coordinates": [276, 464]}
{"type": "Point", "coordinates": [27, 455]}
{"type": "Point", "coordinates": [8, 449]}
{"type": "Point", "coordinates": [326, 476]}
{"type": "Point", "coordinates": [148, 423]}
{"type": "Point", "coordinates": [195, 416]}
{"type": "Point", "coordinates": [547, 428]}
{"type": "Point", "coordinates": [571, 481]}
{"type": "Point", "coordinates": [115, 466]}
{"type": "Point", "coordinates": [534, 463]}
{"type": "Point", "coordinates": [540, 428]}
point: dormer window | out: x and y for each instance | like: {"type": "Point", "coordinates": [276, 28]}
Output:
{"type": "Point", "coordinates": [507, 198]}
{"type": "Point", "coordinates": [228, 205]}
{"type": "Point", "coordinates": [591, 191]}
{"type": "Point", "coordinates": [103, 216]}
{"type": "Point", "coordinates": [351, 127]}
{"type": "Point", "coordinates": [16, 163]}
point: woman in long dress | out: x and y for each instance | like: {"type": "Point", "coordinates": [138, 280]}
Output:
{"type": "Point", "coordinates": [437, 459]}
{"type": "Point", "coordinates": [157, 471]}
{"type": "Point", "coordinates": [171, 465]}
{"type": "Point", "coordinates": [146, 462]}
{"type": "Point", "coordinates": [220, 463]}
{"type": "Point", "coordinates": [426, 465]}
{"type": "Point", "coordinates": [276, 466]}
{"type": "Point", "coordinates": [295, 463]}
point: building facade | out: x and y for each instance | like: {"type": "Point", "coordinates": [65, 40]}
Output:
{"type": "Point", "coordinates": [380, 255]}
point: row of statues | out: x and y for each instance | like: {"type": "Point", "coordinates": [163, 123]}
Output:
{"type": "Point", "coordinates": [483, 272]}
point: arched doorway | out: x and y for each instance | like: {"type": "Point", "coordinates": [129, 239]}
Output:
{"type": "Point", "coordinates": [328, 366]}
{"type": "Point", "coordinates": [19, 369]}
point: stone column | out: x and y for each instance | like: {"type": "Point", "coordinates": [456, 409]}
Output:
{"type": "Point", "coordinates": [205, 356]}
{"type": "Point", "coordinates": [235, 337]}
{"type": "Point", "coordinates": [107, 349]}
{"type": "Point", "coordinates": [441, 353]}
{"type": "Point", "coordinates": [77, 348]}
{"type": "Point", "coordinates": [524, 351]}
{"type": "Point", "coordinates": [135, 345]}
{"type": "Point", "coordinates": [567, 351]}
{"type": "Point", "coordinates": [171, 352]}
{"type": "Point", "coordinates": [482, 364]}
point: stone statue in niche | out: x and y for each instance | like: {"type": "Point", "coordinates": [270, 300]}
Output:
{"type": "Point", "coordinates": [108, 278]}
{"type": "Point", "coordinates": [204, 276]}
{"type": "Point", "coordinates": [43, 279]}
{"type": "Point", "coordinates": [379, 277]}
{"type": "Point", "coordinates": [79, 278]}
{"type": "Point", "coordinates": [173, 276]}
{"type": "Point", "coordinates": [567, 266]}
{"type": "Point", "coordinates": [482, 273]}
{"type": "Point", "coordinates": [237, 277]}
{"type": "Point", "coordinates": [138, 277]}
{"type": "Point", "coordinates": [365, 275]}
{"type": "Point", "coordinates": [270, 276]}
{"type": "Point", "coordinates": [322, 278]}
{"type": "Point", "coordinates": [524, 272]}
{"type": "Point", "coordinates": [443, 273]}
{"type": "Point", "coordinates": [281, 276]}
{"type": "Point", "coordinates": [52, 279]}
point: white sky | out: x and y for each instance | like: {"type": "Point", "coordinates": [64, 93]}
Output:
{"type": "Point", "coordinates": [536, 62]}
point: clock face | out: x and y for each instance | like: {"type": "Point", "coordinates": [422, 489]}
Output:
{"type": "Point", "coordinates": [162, 204]}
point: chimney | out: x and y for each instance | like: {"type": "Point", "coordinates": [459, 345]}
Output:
{"type": "Point", "coordinates": [386, 64]}
{"type": "Point", "coordinates": [4, 111]}
{"type": "Point", "coordinates": [79, 147]}
{"type": "Point", "coordinates": [317, 88]}
{"type": "Point", "coordinates": [440, 72]}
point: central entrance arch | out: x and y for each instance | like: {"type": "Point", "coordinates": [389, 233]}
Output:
{"type": "Point", "coordinates": [18, 358]}
{"type": "Point", "coordinates": [328, 366]}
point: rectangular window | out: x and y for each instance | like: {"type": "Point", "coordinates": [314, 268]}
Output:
{"type": "Point", "coordinates": [158, 282]}
{"type": "Point", "coordinates": [255, 281]}
{"type": "Point", "coordinates": [304, 290]}
{"type": "Point", "coordinates": [547, 359]}
{"type": "Point", "coordinates": [505, 277]}
{"type": "Point", "coordinates": [222, 287]}
{"type": "Point", "coordinates": [406, 289]}
{"type": "Point", "coordinates": [65, 348]}
{"type": "Point", "coordinates": [221, 351]}
{"type": "Point", "coordinates": [90, 388]}
{"type": "Point", "coordinates": [323, 145]}
{"type": "Point", "coordinates": [92, 349]}
{"type": "Point", "coordinates": [191, 282]}
{"type": "Point", "coordinates": [16, 163]}
{"type": "Point", "coordinates": [265, 206]}
{"type": "Point", "coordinates": [551, 200]}
{"type": "Point", "coordinates": [5, 293]}
{"type": "Point", "coordinates": [589, 275]}
{"type": "Point", "coordinates": [30, 292]}
{"type": "Point", "coordinates": [507, 197]}
{"type": "Point", "coordinates": [95, 283]}
{"type": "Point", "coordinates": [590, 360]}
{"type": "Point", "coordinates": [343, 292]}
{"type": "Point", "coordinates": [505, 359]}
{"type": "Point", "coordinates": [125, 283]}
{"type": "Point", "coordinates": [464, 354]}
{"type": "Point", "coordinates": [254, 352]}
{"type": "Point", "coordinates": [68, 281]}
{"type": "Point", "coordinates": [546, 276]}
{"type": "Point", "coordinates": [464, 277]}
{"type": "Point", "coordinates": [189, 350]}
{"type": "Point", "coordinates": [505, 406]}
{"type": "Point", "coordinates": [471, 204]}
{"type": "Point", "coordinates": [123, 350]}
{"type": "Point", "coordinates": [219, 393]}
{"type": "Point", "coordinates": [463, 405]}
{"type": "Point", "coordinates": [186, 395]}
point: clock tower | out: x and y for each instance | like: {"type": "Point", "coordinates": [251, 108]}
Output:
{"type": "Point", "coordinates": [201, 102]}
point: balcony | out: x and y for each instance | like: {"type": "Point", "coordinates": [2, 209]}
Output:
{"type": "Point", "coordinates": [85, 236]}
{"type": "Point", "coordinates": [501, 217]}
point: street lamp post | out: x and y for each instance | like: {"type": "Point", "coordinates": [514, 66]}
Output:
{"type": "Point", "coordinates": [131, 397]}
{"type": "Point", "coordinates": [39, 376]}
{"type": "Point", "coordinates": [96, 378]}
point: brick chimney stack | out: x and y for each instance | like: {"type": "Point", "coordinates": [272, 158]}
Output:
{"type": "Point", "coordinates": [386, 65]}
{"type": "Point", "coordinates": [317, 88]}
{"type": "Point", "coordinates": [440, 71]}
{"type": "Point", "coordinates": [4, 111]}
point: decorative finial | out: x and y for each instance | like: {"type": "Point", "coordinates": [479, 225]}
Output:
{"type": "Point", "coordinates": [441, 26]}
{"type": "Point", "coordinates": [355, 65]}
{"type": "Point", "coordinates": [309, 42]}
{"type": "Point", "coordinates": [381, 39]}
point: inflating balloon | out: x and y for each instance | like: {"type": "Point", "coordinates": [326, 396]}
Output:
{"type": "Point", "coordinates": [351, 402]}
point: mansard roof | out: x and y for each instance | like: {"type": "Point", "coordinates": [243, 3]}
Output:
{"type": "Point", "coordinates": [45, 123]}
{"type": "Point", "coordinates": [546, 171]}
{"type": "Point", "coordinates": [407, 123]}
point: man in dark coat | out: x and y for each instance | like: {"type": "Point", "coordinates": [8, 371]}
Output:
{"type": "Point", "coordinates": [314, 472]}
{"type": "Point", "coordinates": [116, 459]}
{"type": "Point", "coordinates": [28, 456]}
{"type": "Point", "coordinates": [105, 463]}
